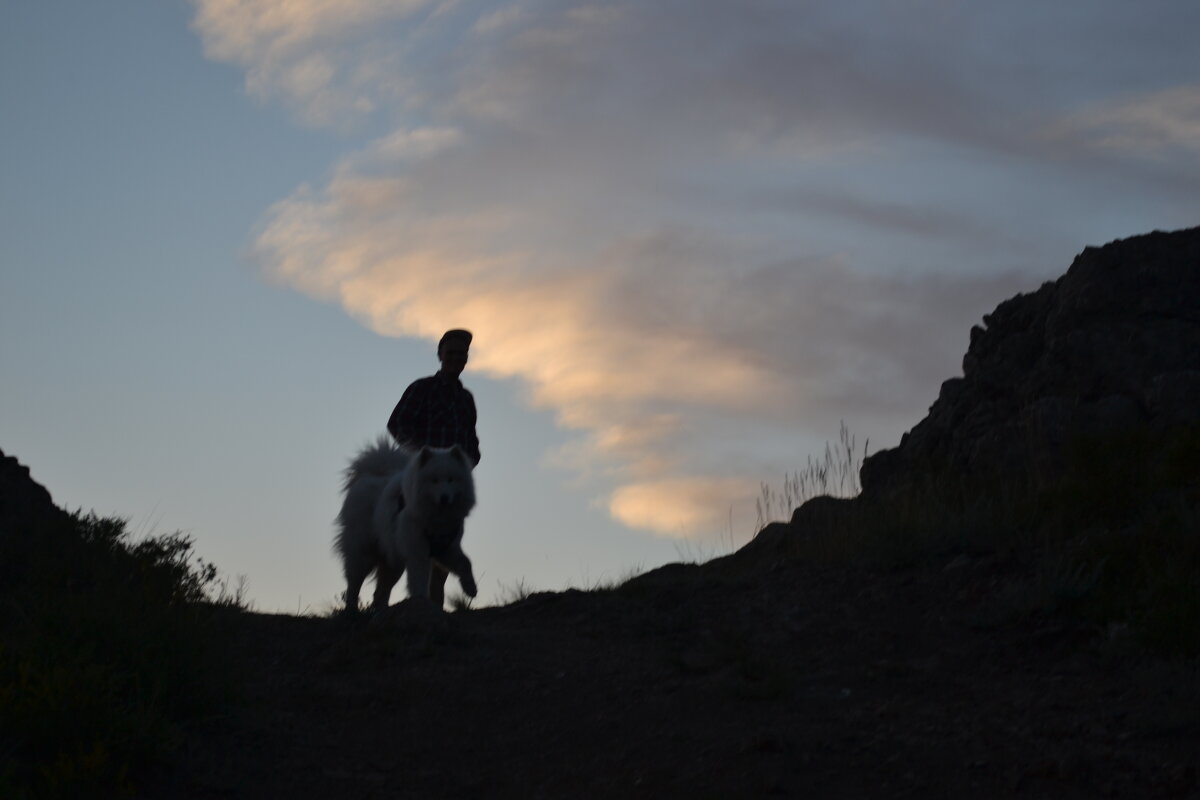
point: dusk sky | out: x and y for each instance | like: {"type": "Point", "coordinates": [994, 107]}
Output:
{"type": "Point", "coordinates": [691, 239]}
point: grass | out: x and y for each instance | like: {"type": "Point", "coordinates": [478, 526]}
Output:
{"type": "Point", "coordinates": [514, 593]}
{"type": "Point", "coordinates": [835, 475]}
{"type": "Point", "coordinates": [612, 583]}
{"type": "Point", "coordinates": [1112, 536]}
{"type": "Point", "coordinates": [459, 601]}
{"type": "Point", "coordinates": [107, 647]}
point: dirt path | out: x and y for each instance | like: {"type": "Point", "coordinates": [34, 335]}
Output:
{"type": "Point", "coordinates": [803, 682]}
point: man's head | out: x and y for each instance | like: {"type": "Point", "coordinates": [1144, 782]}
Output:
{"type": "Point", "coordinates": [452, 351]}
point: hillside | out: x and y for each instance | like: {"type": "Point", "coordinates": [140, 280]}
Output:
{"type": "Point", "coordinates": [957, 664]}
{"type": "Point", "coordinates": [803, 681]}
{"type": "Point", "coordinates": [1010, 609]}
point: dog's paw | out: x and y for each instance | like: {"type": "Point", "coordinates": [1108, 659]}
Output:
{"type": "Point", "coordinates": [469, 588]}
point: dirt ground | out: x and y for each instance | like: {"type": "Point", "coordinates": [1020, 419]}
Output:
{"type": "Point", "coordinates": [705, 682]}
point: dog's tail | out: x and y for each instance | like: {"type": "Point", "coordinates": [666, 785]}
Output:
{"type": "Point", "coordinates": [382, 459]}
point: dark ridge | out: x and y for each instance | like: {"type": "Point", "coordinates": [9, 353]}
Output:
{"type": "Point", "coordinates": [1103, 358]}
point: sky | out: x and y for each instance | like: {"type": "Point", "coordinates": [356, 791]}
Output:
{"type": "Point", "coordinates": [693, 239]}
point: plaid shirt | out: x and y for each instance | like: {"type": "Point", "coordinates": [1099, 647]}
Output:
{"type": "Point", "coordinates": [436, 411]}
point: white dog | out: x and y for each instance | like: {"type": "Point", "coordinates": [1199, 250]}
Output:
{"type": "Point", "coordinates": [404, 509]}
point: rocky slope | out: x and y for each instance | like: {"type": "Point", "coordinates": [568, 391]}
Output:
{"type": "Point", "coordinates": [1112, 345]}
{"type": "Point", "coordinates": [1101, 364]}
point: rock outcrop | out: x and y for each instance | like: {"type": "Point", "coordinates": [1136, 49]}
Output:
{"type": "Point", "coordinates": [1111, 346]}
{"type": "Point", "coordinates": [24, 503]}
{"type": "Point", "coordinates": [1108, 352]}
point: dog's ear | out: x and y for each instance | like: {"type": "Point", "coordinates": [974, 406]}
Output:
{"type": "Point", "coordinates": [424, 456]}
{"type": "Point", "coordinates": [458, 453]}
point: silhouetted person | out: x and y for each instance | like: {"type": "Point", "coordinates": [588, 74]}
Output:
{"type": "Point", "coordinates": [439, 412]}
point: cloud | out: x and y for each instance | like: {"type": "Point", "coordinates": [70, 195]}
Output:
{"type": "Point", "coordinates": [678, 224]}
{"type": "Point", "coordinates": [1158, 124]}
{"type": "Point", "coordinates": [680, 507]}
{"type": "Point", "coordinates": [307, 51]}
{"type": "Point", "coordinates": [909, 219]}
{"type": "Point", "coordinates": [497, 20]}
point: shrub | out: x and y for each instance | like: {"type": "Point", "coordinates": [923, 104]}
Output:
{"type": "Point", "coordinates": [105, 649]}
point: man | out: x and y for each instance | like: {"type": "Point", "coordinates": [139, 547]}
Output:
{"type": "Point", "coordinates": [439, 412]}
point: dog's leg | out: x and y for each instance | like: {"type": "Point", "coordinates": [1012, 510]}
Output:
{"type": "Point", "coordinates": [356, 572]}
{"type": "Point", "coordinates": [419, 568]}
{"type": "Point", "coordinates": [385, 578]}
{"type": "Point", "coordinates": [457, 562]}
{"type": "Point", "coordinates": [437, 585]}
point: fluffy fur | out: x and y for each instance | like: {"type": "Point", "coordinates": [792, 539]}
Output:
{"type": "Point", "coordinates": [437, 491]}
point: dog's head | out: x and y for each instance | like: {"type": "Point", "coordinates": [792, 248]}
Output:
{"type": "Point", "coordinates": [444, 478]}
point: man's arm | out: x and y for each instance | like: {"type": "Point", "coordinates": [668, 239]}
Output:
{"type": "Point", "coordinates": [472, 437]}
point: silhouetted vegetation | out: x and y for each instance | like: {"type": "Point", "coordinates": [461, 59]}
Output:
{"type": "Point", "coordinates": [106, 648]}
{"type": "Point", "coordinates": [835, 475]}
{"type": "Point", "coordinates": [1113, 536]}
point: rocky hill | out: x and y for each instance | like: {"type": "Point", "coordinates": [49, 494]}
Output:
{"type": "Point", "coordinates": [1081, 399]}
{"type": "Point", "coordinates": [1110, 347]}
